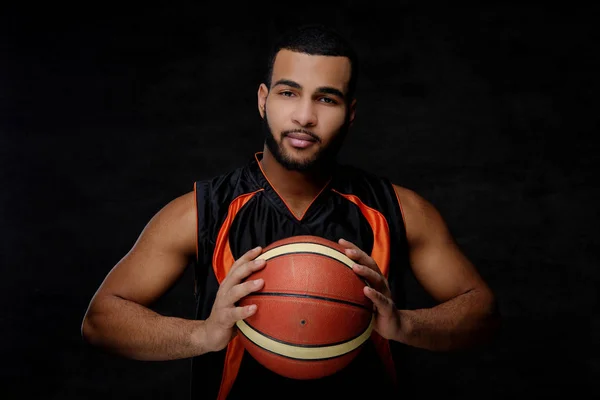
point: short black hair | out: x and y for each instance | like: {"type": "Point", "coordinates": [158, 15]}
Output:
{"type": "Point", "coordinates": [319, 40]}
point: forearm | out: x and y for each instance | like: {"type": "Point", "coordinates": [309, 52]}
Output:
{"type": "Point", "coordinates": [136, 332]}
{"type": "Point", "coordinates": [461, 322]}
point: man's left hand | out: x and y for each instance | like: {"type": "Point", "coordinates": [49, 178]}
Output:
{"type": "Point", "coordinates": [387, 320]}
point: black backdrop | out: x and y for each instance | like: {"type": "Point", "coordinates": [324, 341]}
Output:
{"type": "Point", "coordinates": [107, 113]}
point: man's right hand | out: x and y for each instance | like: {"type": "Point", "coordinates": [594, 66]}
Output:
{"type": "Point", "coordinates": [220, 325]}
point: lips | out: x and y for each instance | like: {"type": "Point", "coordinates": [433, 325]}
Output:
{"type": "Point", "coordinates": [301, 136]}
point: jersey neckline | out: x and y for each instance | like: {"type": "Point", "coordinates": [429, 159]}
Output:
{"type": "Point", "coordinates": [271, 192]}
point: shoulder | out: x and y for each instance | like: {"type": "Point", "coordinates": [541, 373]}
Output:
{"type": "Point", "coordinates": [181, 206]}
{"type": "Point", "coordinates": [172, 229]}
{"type": "Point", "coordinates": [178, 215]}
{"type": "Point", "coordinates": [220, 189]}
{"type": "Point", "coordinates": [411, 201]}
{"type": "Point", "coordinates": [421, 217]}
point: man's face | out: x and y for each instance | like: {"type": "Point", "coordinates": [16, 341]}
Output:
{"type": "Point", "coordinates": [306, 115]}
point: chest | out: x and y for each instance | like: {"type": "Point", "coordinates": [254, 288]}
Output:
{"type": "Point", "coordinates": [260, 222]}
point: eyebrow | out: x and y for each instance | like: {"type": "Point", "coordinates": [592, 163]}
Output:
{"type": "Point", "coordinates": [322, 89]}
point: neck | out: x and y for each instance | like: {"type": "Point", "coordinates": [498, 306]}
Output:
{"type": "Point", "coordinates": [293, 185]}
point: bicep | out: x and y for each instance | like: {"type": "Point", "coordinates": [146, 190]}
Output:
{"type": "Point", "coordinates": [159, 256]}
{"type": "Point", "coordinates": [436, 260]}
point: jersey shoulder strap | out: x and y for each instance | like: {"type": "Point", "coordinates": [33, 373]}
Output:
{"type": "Point", "coordinates": [203, 247]}
{"type": "Point", "coordinates": [213, 197]}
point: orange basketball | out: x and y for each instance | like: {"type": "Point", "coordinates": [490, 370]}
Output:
{"type": "Point", "coordinates": [312, 317]}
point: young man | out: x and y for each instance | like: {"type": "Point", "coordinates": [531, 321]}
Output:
{"type": "Point", "coordinates": [293, 187]}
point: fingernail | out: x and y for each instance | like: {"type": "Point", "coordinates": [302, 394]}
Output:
{"type": "Point", "coordinates": [259, 261]}
{"type": "Point", "coordinates": [352, 252]}
{"type": "Point", "coordinates": [257, 282]}
{"type": "Point", "coordinates": [252, 307]}
{"type": "Point", "coordinates": [256, 248]}
{"type": "Point", "coordinates": [356, 266]}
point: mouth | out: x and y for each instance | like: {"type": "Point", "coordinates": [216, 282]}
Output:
{"type": "Point", "coordinates": [299, 143]}
{"type": "Point", "coordinates": [300, 140]}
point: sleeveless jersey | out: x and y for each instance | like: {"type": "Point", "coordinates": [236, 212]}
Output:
{"type": "Point", "coordinates": [240, 210]}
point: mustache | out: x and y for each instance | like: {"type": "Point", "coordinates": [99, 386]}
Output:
{"type": "Point", "coordinates": [312, 135]}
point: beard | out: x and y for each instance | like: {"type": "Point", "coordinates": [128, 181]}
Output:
{"type": "Point", "coordinates": [323, 160]}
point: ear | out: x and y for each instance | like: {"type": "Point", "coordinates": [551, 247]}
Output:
{"type": "Point", "coordinates": [352, 111]}
{"type": "Point", "coordinates": [263, 92]}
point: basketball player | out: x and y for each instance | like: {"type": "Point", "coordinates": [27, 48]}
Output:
{"type": "Point", "coordinates": [294, 186]}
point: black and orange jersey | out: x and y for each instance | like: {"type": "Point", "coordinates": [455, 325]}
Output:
{"type": "Point", "coordinates": [240, 210]}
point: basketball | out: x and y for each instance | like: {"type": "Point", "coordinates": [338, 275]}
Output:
{"type": "Point", "coordinates": [312, 317]}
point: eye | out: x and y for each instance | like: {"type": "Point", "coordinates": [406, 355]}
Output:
{"type": "Point", "coordinates": [286, 93]}
{"type": "Point", "coordinates": [328, 100]}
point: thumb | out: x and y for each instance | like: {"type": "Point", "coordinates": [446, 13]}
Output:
{"type": "Point", "coordinates": [383, 304]}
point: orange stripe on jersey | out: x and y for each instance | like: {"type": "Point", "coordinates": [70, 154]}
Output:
{"type": "Point", "coordinates": [233, 360]}
{"type": "Point", "coordinates": [222, 257]}
{"type": "Point", "coordinates": [222, 262]}
{"type": "Point", "coordinates": [381, 255]}
{"type": "Point", "coordinates": [381, 232]}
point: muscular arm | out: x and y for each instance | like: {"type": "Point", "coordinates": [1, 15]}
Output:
{"type": "Point", "coordinates": [118, 318]}
{"type": "Point", "coordinates": [466, 313]}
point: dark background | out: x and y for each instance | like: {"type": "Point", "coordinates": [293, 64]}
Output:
{"type": "Point", "coordinates": [489, 112]}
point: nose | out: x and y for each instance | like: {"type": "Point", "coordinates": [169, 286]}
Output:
{"type": "Point", "coordinates": [305, 114]}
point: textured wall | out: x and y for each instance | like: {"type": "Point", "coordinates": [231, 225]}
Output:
{"type": "Point", "coordinates": [489, 111]}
